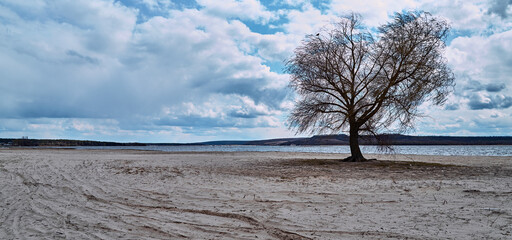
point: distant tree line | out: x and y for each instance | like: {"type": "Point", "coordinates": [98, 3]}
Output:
{"type": "Point", "coordinates": [59, 143]}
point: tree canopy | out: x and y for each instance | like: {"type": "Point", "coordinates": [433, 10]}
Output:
{"type": "Point", "coordinates": [349, 77]}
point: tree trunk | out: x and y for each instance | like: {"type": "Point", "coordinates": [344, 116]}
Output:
{"type": "Point", "coordinates": [355, 151]}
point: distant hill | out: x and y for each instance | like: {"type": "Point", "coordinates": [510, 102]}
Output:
{"type": "Point", "coordinates": [342, 139]}
{"type": "Point", "coordinates": [395, 139]}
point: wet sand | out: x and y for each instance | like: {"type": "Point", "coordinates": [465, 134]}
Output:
{"type": "Point", "coordinates": [126, 194]}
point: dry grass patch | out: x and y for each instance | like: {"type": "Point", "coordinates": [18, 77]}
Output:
{"type": "Point", "coordinates": [315, 167]}
{"type": "Point", "coordinates": [368, 164]}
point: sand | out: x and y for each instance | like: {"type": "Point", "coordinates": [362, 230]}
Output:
{"type": "Point", "coordinates": [126, 194]}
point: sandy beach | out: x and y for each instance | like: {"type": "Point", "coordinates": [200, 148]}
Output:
{"type": "Point", "coordinates": [127, 194]}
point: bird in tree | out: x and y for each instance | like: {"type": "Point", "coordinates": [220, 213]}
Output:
{"type": "Point", "coordinates": [351, 78]}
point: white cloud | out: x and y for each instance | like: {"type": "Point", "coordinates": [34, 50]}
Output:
{"type": "Point", "coordinates": [90, 59]}
{"type": "Point", "coordinates": [374, 12]}
{"type": "Point", "coordinates": [90, 68]}
{"type": "Point", "coordinates": [307, 20]}
{"type": "Point", "coordinates": [462, 15]}
{"type": "Point", "coordinates": [220, 111]}
{"type": "Point", "coordinates": [243, 9]}
{"type": "Point", "coordinates": [483, 63]}
{"type": "Point", "coordinates": [502, 8]}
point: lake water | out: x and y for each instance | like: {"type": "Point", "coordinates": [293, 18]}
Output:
{"type": "Point", "coordinates": [445, 150]}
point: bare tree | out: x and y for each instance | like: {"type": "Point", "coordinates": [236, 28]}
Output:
{"type": "Point", "coordinates": [351, 78]}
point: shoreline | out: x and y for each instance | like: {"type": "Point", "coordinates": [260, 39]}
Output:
{"type": "Point", "coordinates": [452, 151]}
{"type": "Point", "coordinates": [471, 160]}
{"type": "Point", "coordinates": [76, 193]}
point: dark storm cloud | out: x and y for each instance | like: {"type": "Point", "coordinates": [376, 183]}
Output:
{"type": "Point", "coordinates": [495, 87]}
{"type": "Point", "coordinates": [191, 121]}
{"type": "Point", "coordinates": [479, 101]}
{"type": "Point", "coordinates": [476, 86]}
{"type": "Point", "coordinates": [243, 114]}
{"type": "Point", "coordinates": [211, 122]}
{"type": "Point", "coordinates": [499, 7]}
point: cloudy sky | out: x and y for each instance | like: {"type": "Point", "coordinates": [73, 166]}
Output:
{"type": "Point", "coordinates": [186, 71]}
